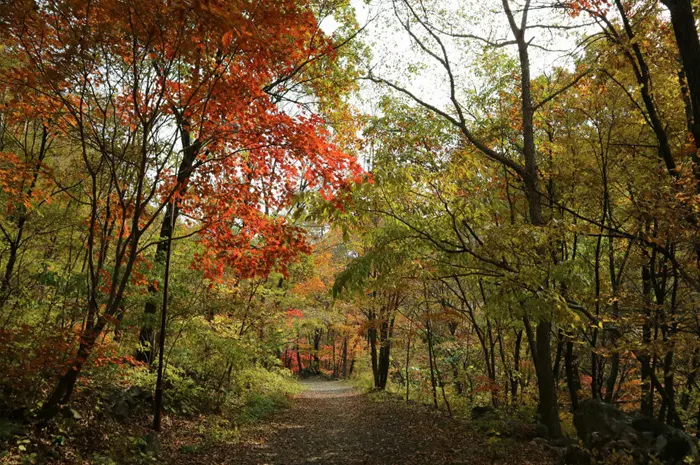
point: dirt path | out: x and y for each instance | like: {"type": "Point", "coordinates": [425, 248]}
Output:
{"type": "Point", "coordinates": [331, 423]}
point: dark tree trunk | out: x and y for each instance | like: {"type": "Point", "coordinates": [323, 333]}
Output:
{"type": "Point", "coordinates": [408, 360]}
{"type": "Point", "coordinates": [64, 388]}
{"type": "Point", "coordinates": [647, 401]}
{"type": "Point", "coordinates": [317, 346]}
{"type": "Point", "coordinates": [433, 382]}
{"type": "Point", "coordinates": [300, 366]}
{"type": "Point", "coordinates": [670, 389]}
{"type": "Point", "coordinates": [612, 377]}
{"type": "Point", "coordinates": [547, 408]}
{"type": "Point", "coordinates": [345, 357]}
{"type": "Point", "coordinates": [516, 367]}
{"type": "Point", "coordinates": [683, 20]}
{"type": "Point", "coordinates": [643, 76]}
{"type": "Point", "coordinates": [158, 398]}
{"type": "Point", "coordinates": [372, 336]}
{"type": "Point", "coordinates": [572, 378]}
{"type": "Point", "coordinates": [146, 351]}
{"type": "Point", "coordinates": [690, 380]}
{"type": "Point", "coordinates": [386, 330]}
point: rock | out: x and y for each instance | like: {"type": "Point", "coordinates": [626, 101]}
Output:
{"type": "Point", "coordinates": [51, 452]}
{"type": "Point", "coordinates": [519, 429]}
{"type": "Point", "coordinates": [576, 455]}
{"type": "Point", "coordinates": [134, 392]}
{"type": "Point", "coordinates": [67, 412]}
{"type": "Point", "coordinates": [121, 410]}
{"type": "Point", "coordinates": [556, 451]}
{"type": "Point", "coordinates": [611, 431]}
{"type": "Point", "coordinates": [647, 437]}
{"type": "Point", "coordinates": [660, 444]}
{"type": "Point", "coordinates": [16, 414]}
{"type": "Point", "coordinates": [651, 425]}
{"type": "Point", "coordinates": [542, 430]}
{"type": "Point", "coordinates": [137, 395]}
{"type": "Point", "coordinates": [480, 412]}
{"type": "Point", "coordinates": [152, 444]}
{"type": "Point", "coordinates": [596, 439]}
{"type": "Point", "coordinates": [679, 445]}
{"type": "Point", "coordinates": [594, 416]}
{"type": "Point", "coordinates": [640, 455]}
{"type": "Point", "coordinates": [9, 429]}
{"type": "Point", "coordinates": [309, 372]}
{"type": "Point", "coordinates": [563, 442]}
{"type": "Point", "coordinates": [631, 438]}
{"type": "Point", "coordinates": [622, 445]}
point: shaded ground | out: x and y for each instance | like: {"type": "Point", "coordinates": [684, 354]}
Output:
{"type": "Point", "coordinates": [331, 423]}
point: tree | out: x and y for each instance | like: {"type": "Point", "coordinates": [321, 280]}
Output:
{"type": "Point", "coordinates": [115, 81]}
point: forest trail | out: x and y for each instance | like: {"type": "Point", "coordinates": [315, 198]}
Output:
{"type": "Point", "coordinates": [332, 423]}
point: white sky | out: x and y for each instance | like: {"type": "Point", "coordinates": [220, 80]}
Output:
{"type": "Point", "coordinates": [397, 58]}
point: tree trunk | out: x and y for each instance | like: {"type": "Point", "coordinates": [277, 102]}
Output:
{"type": "Point", "coordinates": [572, 377]}
{"type": "Point", "coordinates": [683, 20]}
{"type": "Point", "coordinates": [345, 358]}
{"type": "Point", "coordinates": [433, 383]}
{"type": "Point", "coordinates": [64, 388]}
{"type": "Point", "coordinates": [158, 398]}
{"type": "Point", "coordinates": [548, 408]}
{"type": "Point", "coordinates": [146, 351]}
{"type": "Point", "coordinates": [300, 366]}
{"type": "Point", "coordinates": [372, 336]}
{"type": "Point", "coordinates": [647, 401]}
{"type": "Point", "coordinates": [386, 329]}
{"type": "Point", "coordinates": [317, 346]}
{"type": "Point", "coordinates": [516, 367]}
{"type": "Point", "coordinates": [408, 359]}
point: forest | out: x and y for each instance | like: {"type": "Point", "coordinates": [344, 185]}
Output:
{"type": "Point", "coordinates": [349, 231]}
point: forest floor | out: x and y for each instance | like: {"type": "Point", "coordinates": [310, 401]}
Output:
{"type": "Point", "coordinates": [332, 423]}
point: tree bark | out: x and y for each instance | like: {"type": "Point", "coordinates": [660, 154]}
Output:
{"type": "Point", "coordinates": [158, 398]}
{"type": "Point", "coordinates": [548, 409]}
{"type": "Point", "coordinates": [572, 378]}
{"type": "Point", "coordinates": [433, 382]}
{"type": "Point", "coordinates": [647, 397]}
{"type": "Point", "coordinates": [683, 20]}
{"type": "Point", "coordinates": [146, 350]}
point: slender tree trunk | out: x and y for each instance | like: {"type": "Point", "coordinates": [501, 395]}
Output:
{"type": "Point", "coordinates": [408, 359]}
{"type": "Point", "coordinates": [145, 352]}
{"type": "Point", "coordinates": [433, 382]}
{"type": "Point", "coordinates": [572, 377]}
{"type": "Point", "coordinates": [646, 372]}
{"type": "Point", "coordinates": [300, 366]}
{"type": "Point", "coordinates": [372, 336]}
{"type": "Point", "coordinates": [158, 398]}
{"type": "Point", "coordinates": [385, 352]}
{"type": "Point", "coordinates": [670, 388]}
{"type": "Point", "coordinates": [516, 367]}
{"type": "Point", "coordinates": [690, 379]}
{"type": "Point", "coordinates": [345, 357]}
{"type": "Point", "coordinates": [317, 346]}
